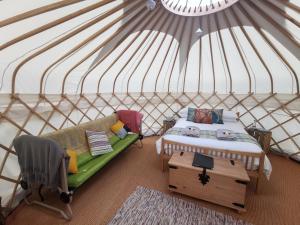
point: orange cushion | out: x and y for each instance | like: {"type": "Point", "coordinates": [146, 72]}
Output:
{"type": "Point", "coordinates": [73, 161]}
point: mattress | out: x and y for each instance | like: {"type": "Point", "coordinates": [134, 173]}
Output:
{"type": "Point", "coordinates": [236, 127]}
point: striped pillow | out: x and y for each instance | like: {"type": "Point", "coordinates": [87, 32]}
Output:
{"type": "Point", "coordinates": [98, 142]}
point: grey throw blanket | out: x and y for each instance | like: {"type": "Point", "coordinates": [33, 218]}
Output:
{"type": "Point", "coordinates": [226, 135]}
{"type": "Point", "coordinates": [212, 134]}
{"type": "Point", "coordinates": [39, 160]}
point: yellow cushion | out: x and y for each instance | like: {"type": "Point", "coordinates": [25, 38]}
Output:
{"type": "Point", "coordinates": [117, 126]}
{"type": "Point", "coordinates": [73, 161]}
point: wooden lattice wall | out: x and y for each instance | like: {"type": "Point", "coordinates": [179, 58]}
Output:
{"type": "Point", "coordinates": [37, 115]}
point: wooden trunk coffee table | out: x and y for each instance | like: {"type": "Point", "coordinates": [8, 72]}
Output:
{"type": "Point", "coordinates": [227, 184]}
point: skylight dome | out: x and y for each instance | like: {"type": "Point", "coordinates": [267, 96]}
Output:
{"type": "Point", "coordinates": [196, 7]}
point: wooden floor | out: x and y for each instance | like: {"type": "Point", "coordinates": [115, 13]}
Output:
{"type": "Point", "coordinates": [97, 201]}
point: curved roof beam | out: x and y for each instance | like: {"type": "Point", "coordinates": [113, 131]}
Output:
{"type": "Point", "coordinates": [239, 51]}
{"type": "Point", "coordinates": [259, 30]}
{"type": "Point", "coordinates": [37, 11]}
{"type": "Point", "coordinates": [273, 22]}
{"type": "Point", "coordinates": [89, 39]}
{"type": "Point", "coordinates": [224, 52]}
{"type": "Point", "coordinates": [177, 51]}
{"type": "Point", "coordinates": [146, 22]}
{"type": "Point", "coordinates": [137, 49]}
{"type": "Point", "coordinates": [187, 55]}
{"type": "Point", "coordinates": [254, 48]}
{"type": "Point", "coordinates": [281, 12]}
{"type": "Point", "coordinates": [169, 47]}
{"type": "Point", "coordinates": [122, 28]}
{"type": "Point", "coordinates": [211, 54]}
{"type": "Point", "coordinates": [290, 5]}
{"type": "Point", "coordinates": [55, 43]}
{"type": "Point", "coordinates": [157, 51]}
{"type": "Point", "coordinates": [54, 23]}
{"type": "Point", "coordinates": [149, 47]}
{"type": "Point", "coordinates": [200, 56]}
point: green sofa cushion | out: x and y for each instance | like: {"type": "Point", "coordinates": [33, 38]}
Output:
{"type": "Point", "coordinates": [83, 159]}
{"type": "Point", "coordinates": [114, 139]}
{"type": "Point", "coordinates": [90, 165]}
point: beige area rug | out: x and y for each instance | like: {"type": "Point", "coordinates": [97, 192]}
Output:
{"type": "Point", "coordinates": [146, 206]}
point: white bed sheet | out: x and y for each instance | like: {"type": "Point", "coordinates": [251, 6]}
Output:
{"type": "Point", "coordinates": [237, 127]}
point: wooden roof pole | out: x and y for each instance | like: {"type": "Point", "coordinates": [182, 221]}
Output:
{"type": "Point", "coordinates": [54, 23]}
{"type": "Point", "coordinates": [157, 51]}
{"type": "Point", "coordinates": [281, 12]}
{"type": "Point", "coordinates": [146, 22]}
{"type": "Point", "coordinates": [290, 5]}
{"type": "Point", "coordinates": [141, 20]}
{"type": "Point", "coordinates": [122, 28]}
{"type": "Point", "coordinates": [224, 52]}
{"type": "Point", "coordinates": [136, 50]}
{"type": "Point", "coordinates": [239, 50]}
{"type": "Point", "coordinates": [158, 30]}
{"type": "Point", "coordinates": [169, 47]}
{"type": "Point", "coordinates": [37, 11]}
{"type": "Point", "coordinates": [187, 54]}
{"type": "Point", "coordinates": [177, 51]}
{"type": "Point", "coordinates": [253, 47]}
{"type": "Point", "coordinates": [55, 43]}
{"type": "Point", "coordinates": [273, 22]}
{"type": "Point", "coordinates": [86, 41]}
{"type": "Point", "coordinates": [259, 30]}
{"type": "Point", "coordinates": [211, 54]}
{"type": "Point", "coordinates": [200, 56]}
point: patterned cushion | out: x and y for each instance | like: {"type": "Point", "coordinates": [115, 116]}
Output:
{"type": "Point", "coordinates": [118, 129]}
{"type": "Point", "coordinates": [203, 116]}
{"type": "Point", "coordinates": [98, 142]}
{"type": "Point", "coordinates": [191, 114]}
{"type": "Point", "coordinates": [217, 116]}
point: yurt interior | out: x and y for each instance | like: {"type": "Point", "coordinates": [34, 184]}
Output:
{"type": "Point", "coordinates": [149, 112]}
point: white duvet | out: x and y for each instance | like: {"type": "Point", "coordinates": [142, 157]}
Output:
{"type": "Point", "coordinates": [237, 127]}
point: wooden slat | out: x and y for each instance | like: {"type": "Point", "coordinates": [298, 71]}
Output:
{"type": "Point", "coordinates": [37, 11]}
{"type": "Point", "coordinates": [53, 24]}
{"type": "Point", "coordinates": [62, 39]}
{"type": "Point", "coordinates": [264, 36]}
{"type": "Point", "coordinates": [86, 41]}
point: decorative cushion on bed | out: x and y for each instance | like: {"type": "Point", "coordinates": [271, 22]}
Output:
{"type": "Point", "coordinates": [229, 116]}
{"type": "Point", "coordinates": [183, 113]}
{"type": "Point", "coordinates": [119, 129]}
{"type": "Point", "coordinates": [73, 168]}
{"type": "Point", "coordinates": [98, 142]}
{"type": "Point", "coordinates": [217, 116]}
{"type": "Point", "coordinates": [199, 115]}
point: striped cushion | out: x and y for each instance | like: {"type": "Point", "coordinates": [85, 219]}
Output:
{"type": "Point", "coordinates": [98, 142]}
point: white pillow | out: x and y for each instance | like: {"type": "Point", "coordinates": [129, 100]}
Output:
{"type": "Point", "coordinates": [229, 116]}
{"type": "Point", "coordinates": [183, 112]}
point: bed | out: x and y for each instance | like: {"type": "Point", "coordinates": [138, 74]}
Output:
{"type": "Point", "coordinates": [251, 154]}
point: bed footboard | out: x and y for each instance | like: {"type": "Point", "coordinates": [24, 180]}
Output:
{"type": "Point", "coordinates": [249, 159]}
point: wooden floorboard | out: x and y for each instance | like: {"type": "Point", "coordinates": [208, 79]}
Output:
{"type": "Point", "coordinates": [97, 201]}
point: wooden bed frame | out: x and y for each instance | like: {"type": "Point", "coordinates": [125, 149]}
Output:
{"type": "Point", "coordinates": [248, 158]}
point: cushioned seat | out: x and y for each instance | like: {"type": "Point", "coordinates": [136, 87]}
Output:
{"type": "Point", "coordinates": [89, 165]}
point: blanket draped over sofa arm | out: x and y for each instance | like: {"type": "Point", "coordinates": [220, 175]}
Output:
{"type": "Point", "coordinates": [132, 119]}
{"type": "Point", "coordinates": [39, 160]}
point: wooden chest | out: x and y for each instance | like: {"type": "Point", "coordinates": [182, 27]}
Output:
{"type": "Point", "coordinates": [227, 184]}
